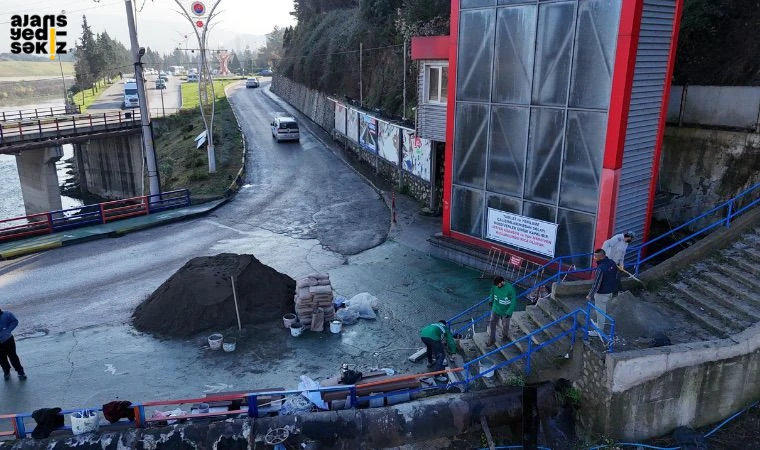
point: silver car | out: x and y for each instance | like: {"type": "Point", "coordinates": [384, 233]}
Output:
{"type": "Point", "coordinates": [251, 83]}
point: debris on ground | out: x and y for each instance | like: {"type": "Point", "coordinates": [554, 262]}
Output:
{"type": "Point", "coordinates": [199, 296]}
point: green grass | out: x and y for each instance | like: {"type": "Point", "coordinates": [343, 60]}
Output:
{"type": "Point", "coordinates": [35, 69]}
{"type": "Point", "coordinates": [181, 165]}
{"type": "Point", "coordinates": [190, 98]}
{"type": "Point", "coordinates": [90, 95]}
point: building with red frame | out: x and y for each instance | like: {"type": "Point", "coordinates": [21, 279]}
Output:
{"type": "Point", "coordinates": [554, 119]}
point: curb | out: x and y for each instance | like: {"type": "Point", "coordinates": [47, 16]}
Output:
{"type": "Point", "coordinates": [10, 254]}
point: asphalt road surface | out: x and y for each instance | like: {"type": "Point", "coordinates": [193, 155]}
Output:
{"type": "Point", "coordinates": [112, 98]}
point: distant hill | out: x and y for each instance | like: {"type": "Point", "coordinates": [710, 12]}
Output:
{"type": "Point", "coordinates": [34, 69]}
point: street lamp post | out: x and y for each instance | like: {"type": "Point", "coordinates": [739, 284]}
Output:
{"type": "Point", "coordinates": [147, 133]}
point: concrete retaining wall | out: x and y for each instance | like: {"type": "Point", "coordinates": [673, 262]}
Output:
{"type": "Point", "coordinates": [722, 106]}
{"type": "Point", "coordinates": [311, 102]}
{"type": "Point", "coordinates": [111, 167]}
{"type": "Point", "coordinates": [701, 168]}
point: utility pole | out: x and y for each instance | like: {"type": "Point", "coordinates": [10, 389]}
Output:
{"type": "Point", "coordinates": [361, 86]}
{"type": "Point", "coordinates": [147, 133]}
{"type": "Point", "coordinates": [403, 111]}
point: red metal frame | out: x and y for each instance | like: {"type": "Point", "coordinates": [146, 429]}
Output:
{"type": "Point", "coordinates": [663, 116]}
{"type": "Point", "coordinates": [620, 100]}
{"type": "Point", "coordinates": [430, 47]}
{"type": "Point", "coordinates": [451, 105]}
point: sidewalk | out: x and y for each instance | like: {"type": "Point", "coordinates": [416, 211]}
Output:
{"type": "Point", "coordinates": [36, 244]}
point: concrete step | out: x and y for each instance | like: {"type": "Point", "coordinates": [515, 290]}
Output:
{"type": "Point", "coordinates": [703, 300]}
{"type": "Point", "coordinates": [748, 266]}
{"type": "Point", "coordinates": [735, 272]}
{"type": "Point", "coordinates": [504, 375]}
{"type": "Point", "coordinates": [727, 290]}
{"type": "Point", "coordinates": [752, 252]}
{"type": "Point", "coordinates": [471, 351]}
{"type": "Point", "coordinates": [526, 327]}
{"type": "Point", "coordinates": [677, 300]}
{"type": "Point", "coordinates": [559, 347]}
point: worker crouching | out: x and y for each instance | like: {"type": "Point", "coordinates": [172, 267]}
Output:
{"type": "Point", "coordinates": [434, 336]}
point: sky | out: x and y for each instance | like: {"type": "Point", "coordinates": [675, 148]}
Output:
{"type": "Point", "coordinates": [160, 26]}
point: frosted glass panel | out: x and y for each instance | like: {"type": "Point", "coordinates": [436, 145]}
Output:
{"type": "Point", "coordinates": [540, 212]}
{"type": "Point", "coordinates": [470, 144]}
{"type": "Point", "coordinates": [504, 203]}
{"type": "Point", "coordinates": [594, 53]}
{"type": "Point", "coordinates": [467, 211]}
{"type": "Point", "coordinates": [582, 166]}
{"type": "Point", "coordinates": [544, 155]}
{"type": "Point", "coordinates": [506, 158]}
{"type": "Point", "coordinates": [575, 235]}
{"type": "Point", "coordinates": [556, 22]}
{"type": "Point", "coordinates": [475, 54]}
{"type": "Point", "coordinates": [464, 4]}
{"type": "Point", "coordinates": [515, 49]}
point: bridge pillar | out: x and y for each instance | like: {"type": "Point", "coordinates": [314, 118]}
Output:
{"type": "Point", "coordinates": [111, 167]}
{"type": "Point", "coordinates": [39, 179]}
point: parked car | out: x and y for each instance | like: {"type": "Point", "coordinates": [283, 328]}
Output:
{"type": "Point", "coordinates": [160, 83]}
{"type": "Point", "coordinates": [285, 128]}
{"type": "Point", "coordinates": [163, 76]}
{"type": "Point", "coordinates": [192, 78]}
{"type": "Point", "coordinates": [251, 83]}
{"type": "Point", "coordinates": [266, 73]}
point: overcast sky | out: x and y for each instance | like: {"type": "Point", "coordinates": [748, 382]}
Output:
{"type": "Point", "coordinates": [159, 24]}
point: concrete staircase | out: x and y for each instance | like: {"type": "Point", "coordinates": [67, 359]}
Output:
{"type": "Point", "coordinates": [715, 297]}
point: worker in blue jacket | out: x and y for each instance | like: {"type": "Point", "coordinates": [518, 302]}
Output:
{"type": "Point", "coordinates": [8, 323]}
{"type": "Point", "coordinates": [605, 285]}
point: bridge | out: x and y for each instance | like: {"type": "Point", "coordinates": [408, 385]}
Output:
{"type": "Point", "coordinates": [29, 133]}
{"type": "Point", "coordinates": [107, 148]}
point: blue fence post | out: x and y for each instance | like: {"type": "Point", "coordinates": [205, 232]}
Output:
{"type": "Point", "coordinates": [588, 321]}
{"type": "Point", "coordinates": [730, 211]}
{"type": "Point", "coordinates": [140, 416]}
{"type": "Point", "coordinates": [19, 425]}
{"type": "Point", "coordinates": [612, 336]}
{"type": "Point", "coordinates": [253, 405]}
{"type": "Point", "coordinates": [575, 327]}
{"type": "Point", "coordinates": [352, 392]}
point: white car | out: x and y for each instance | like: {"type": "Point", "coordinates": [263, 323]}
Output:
{"type": "Point", "coordinates": [285, 128]}
{"type": "Point", "coordinates": [251, 83]}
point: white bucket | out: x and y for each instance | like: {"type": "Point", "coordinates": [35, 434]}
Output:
{"type": "Point", "coordinates": [84, 422]}
{"type": "Point", "coordinates": [289, 319]}
{"type": "Point", "coordinates": [335, 326]}
{"type": "Point", "coordinates": [296, 329]}
{"type": "Point", "coordinates": [229, 344]}
{"type": "Point", "coordinates": [485, 364]}
{"type": "Point", "coordinates": [215, 341]}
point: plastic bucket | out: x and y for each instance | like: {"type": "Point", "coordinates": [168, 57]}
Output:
{"type": "Point", "coordinates": [335, 326]}
{"type": "Point", "coordinates": [215, 341]}
{"type": "Point", "coordinates": [296, 329]}
{"type": "Point", "coordinates": [229, 344]}
{"type": "Point", "coordinates": [84, 422]}
{"type": "Point", "coordinates": [485, 364]}
{"type": "Point", "coordinates": [289, 319]}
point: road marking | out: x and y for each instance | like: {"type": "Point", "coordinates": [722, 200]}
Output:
{"type": "Point", "coordinates": [110, 369]}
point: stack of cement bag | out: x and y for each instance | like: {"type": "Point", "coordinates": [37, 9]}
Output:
{"type": "Point", "coordinates": [314, 301]}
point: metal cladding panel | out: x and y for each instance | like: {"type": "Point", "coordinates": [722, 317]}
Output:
{"type": "Point", "coordinates": [431, 118]}
{"type": "Point", "coordinates": [645, 108]}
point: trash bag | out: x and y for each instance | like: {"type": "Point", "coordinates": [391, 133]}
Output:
{"type": "Point", "coordinates": [363, 310]}
{"type": "Point", "coordinates": [347, 316]}
{"type": "Point", "coordinates": [365, 298]}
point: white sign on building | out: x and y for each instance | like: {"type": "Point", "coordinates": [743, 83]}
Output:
{"type": "Point", "coordinates": [522, 232]}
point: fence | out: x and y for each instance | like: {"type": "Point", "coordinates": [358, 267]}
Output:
{"type": "Point", "coordinates": [66, 219]}
{"type": "Point", "coordinates": [56, 127]}
{"type": "Point", "coordinates": [719, 106]}
{"type": "Point", "coordinates": [37, 113]}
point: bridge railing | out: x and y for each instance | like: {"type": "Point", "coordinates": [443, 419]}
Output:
{"type": "Point", "coordinates": [81, 216]}
{"type": "Point", "coordinates": [38, 113]}
{"type": "Point", "coordinates": [40, 129]}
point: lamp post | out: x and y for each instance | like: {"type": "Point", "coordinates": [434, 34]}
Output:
{"type": "Point", "coordinates": [63, 80]}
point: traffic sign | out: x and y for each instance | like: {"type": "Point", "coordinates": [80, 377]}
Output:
{"type": "Point", "coordinates": [198, 8]}
{"type": "Point", "coordinates": [199, 24]}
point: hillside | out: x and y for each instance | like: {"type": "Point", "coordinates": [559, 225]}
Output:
{"type": "Point", "coordinates": [718, 45]}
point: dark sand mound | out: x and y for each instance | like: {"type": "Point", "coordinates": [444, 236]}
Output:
{"type": "Point", "coordinates": [199, 296]}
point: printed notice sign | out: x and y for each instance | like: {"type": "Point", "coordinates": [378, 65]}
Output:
{"type": "Point", "coordinates": [522, 232]}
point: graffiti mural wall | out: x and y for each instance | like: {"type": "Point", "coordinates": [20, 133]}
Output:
{"type": "Point", "coordinates": [416, 155]}
{"type": "Point", "coordinates": [368, 132]}
{"type": "Point", "coordinates": [352, 126]}
{"type": "Point", "coordinates": [340, 118]}
{"type": "Point", "coordinates": [388, 145]}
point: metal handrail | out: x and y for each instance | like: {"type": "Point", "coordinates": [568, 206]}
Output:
{"type": "Point", "coordinates": [36, 113]}
{"type": "Point", "coordinates": [77, 124]}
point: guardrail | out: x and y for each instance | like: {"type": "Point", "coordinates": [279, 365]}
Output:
{"type": "Point", "coordinates": [13, 133]}
{"type": "Point", "coordinates": [36, 113]}
{"type": "Point", "coordinates": [66, 219]}
{"type": "Point", "coordinates": [728, 210]}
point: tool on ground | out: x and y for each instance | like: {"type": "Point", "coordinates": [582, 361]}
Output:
{"type": "Point", "coordinates": [630, 275]}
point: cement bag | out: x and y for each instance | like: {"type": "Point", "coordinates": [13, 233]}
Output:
{"type": "Point", "coordinates": [365, 298]}
{"type": "Point", "coordinates": [318, 320]}
{"type": "Point", "coordinates": [85, 421]}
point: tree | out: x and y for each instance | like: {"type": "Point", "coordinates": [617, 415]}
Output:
{"type": "Point", "coordinates": [86, 47]}
{"type": "Point", "coordinates": [271, 53]}
{"type": "Point", "coordinates": [234, 64]}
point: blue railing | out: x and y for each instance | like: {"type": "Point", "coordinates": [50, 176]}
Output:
{"type": "Point", "coordinates": [730, 213]}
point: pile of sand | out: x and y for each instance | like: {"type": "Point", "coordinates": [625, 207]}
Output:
{"type": "Point", "coordinates": [199, 296]}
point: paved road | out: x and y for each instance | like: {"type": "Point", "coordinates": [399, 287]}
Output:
{"type": "Point", "coordinates": [111, 99]}
{"type": "Point", "coordinates": [301, 210]}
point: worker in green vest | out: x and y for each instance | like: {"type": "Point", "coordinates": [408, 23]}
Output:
{"type": "Point", "coordinates": [503, 301]}
{"type": "Point", "coordinates": [433, 337]}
